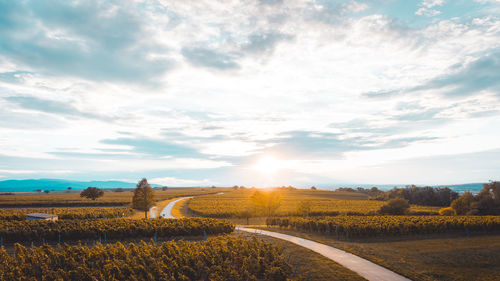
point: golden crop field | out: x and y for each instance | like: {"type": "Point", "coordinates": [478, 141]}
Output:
{"type": "Point", "coordinates": [73, 230]}
{"type": "Point", "coordinates": [218, 258]}
{"type": "Point", "coordinates": [372, 226]}
{"type": "Point", "coordinates": [110, 198]}
{"type": "Point", "coordinates": [68, 213]}
{"type": "Point", "coordinates": [323, 203]}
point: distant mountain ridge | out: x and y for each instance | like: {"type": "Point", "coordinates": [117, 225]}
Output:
{"type": "Point", "coordinates": [58, 184]}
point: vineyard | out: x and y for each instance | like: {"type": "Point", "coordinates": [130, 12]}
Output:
{"type": "Point", "coordinates": [72, 230]}
{"type": "Point", "coordinates": [110, 198]}
{"type": "Point", "coordinates": [373, 226]}
{"type": "Point", "coordinates": [218, 258]}
{"type": "Point", "coordinates": [323, 203]}
{"type": "Point", "coordinates": [68, 213]}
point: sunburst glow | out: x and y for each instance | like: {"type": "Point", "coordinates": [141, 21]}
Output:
{"type": "Point", "coordinates": [268, 165]}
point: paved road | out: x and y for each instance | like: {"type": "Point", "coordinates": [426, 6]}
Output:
{"type": "Point", "coordinates": [365, 268]}
{"type": "Point", "coordinates": [167, 211]}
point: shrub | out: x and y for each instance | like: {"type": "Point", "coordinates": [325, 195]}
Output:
{"type": "Point", "coordinates": [397, 206]}
{"type": "Point", "coordinates": [448, 211]}
{"type": "Point", "coordinates": [462, 204]}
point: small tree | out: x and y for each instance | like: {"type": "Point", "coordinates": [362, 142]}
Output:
{"type": "Point", "coordinates": [304, 208]}
{"type": "Point", "coordinates": [268, 202]}
{"type": "Point", "coordinates": [462, 204]}
{"type": "Point", "coordinates": [143, 198]}
{"type": "Point", "coordinates": [397, 206]}
{"type": "Point", "coordinates": [92, 193]}
{"type": "Point", "coordinates": [313, 188]}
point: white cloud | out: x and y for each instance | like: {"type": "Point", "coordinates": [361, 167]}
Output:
{"type": "Point", "coordinates": [170, 181]}
{"type": "Point", "coordinates": [52, 172]}
{"type": "Point", "coordinates": [312, 79]}
{"type": "Point", "coordinates": [432, 3]}
{"type": "Point", "coordinates": [427, 6]}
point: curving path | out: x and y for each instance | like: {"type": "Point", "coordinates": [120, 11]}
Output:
{"type": "Point", "coordinates": [167, 211]}
{"type": "Point", "coordinates": [365, 268]}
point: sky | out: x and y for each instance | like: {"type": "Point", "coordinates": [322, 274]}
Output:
{"type": "Point", "coordinates": [254, 93]}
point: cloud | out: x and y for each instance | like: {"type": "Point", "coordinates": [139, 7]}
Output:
{"type": "Point", "coordinates": [427, 10]}
{"type": "Point", "coordinates": [211, 58]}
{"type": "Point", "coordinates": [159, 148]}
{"type": "Point", "coordinates": [18, 172]}
{"type": "Point", "coordinates": [471, 78]}
{"type": "Point", "coordinates": [171, 181]}
{"type": "Point", "coordinates": [53, 107]}
{"type": "Point", "coordinates": [100, 41]}
{"type": "Point", "coordinates": [466, 79]}
{"type": "Point", "coordinates": [27, 121]}
{"type": "Point", "coordinates": [259, 42]}
{"type": "Point", "coordinates": [321, 145]}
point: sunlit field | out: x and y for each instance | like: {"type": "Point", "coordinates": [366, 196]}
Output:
{"type": "Point", "coordinates": [111, 198]}
{"type": "Point", "coordinates": [236, 204]}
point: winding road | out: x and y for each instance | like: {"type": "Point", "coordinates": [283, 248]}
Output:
{"type": "Point", "coordinates": [166, 213]}
{"type": "Point", "coordinates": [365, 268]}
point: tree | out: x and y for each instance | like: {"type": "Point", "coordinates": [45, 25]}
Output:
{"type": "Point", "coordinates": [268, 202]}
{"type": "Point", "coordinates": [92, 193]}
{"type": "Point", "coordinates": [304, 208]}
{"type": "Point", "coordinates": [143, 198]}
{"type": "Point", "coordinates": [462, 204]}
{"type": "Point", "coordinates": [397, 206]}
{"type": "Point", "coordinates": [313, 188]}
{"type": "Point", "coordinates": [69, 189]}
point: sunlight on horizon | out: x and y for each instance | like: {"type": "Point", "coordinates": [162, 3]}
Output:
{"type": "Point", "coordinates": [269, 165]}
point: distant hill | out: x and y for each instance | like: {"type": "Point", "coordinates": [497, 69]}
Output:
{"type": "Point", "coordinates": [58, 184]}
{"type": "Point", "coordinates": [474, 187]}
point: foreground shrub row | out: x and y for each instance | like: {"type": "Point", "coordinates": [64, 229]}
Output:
{"type": "Point", "coordinates": [68, 213]}
{"type": "Point", "coordinates": [372, 226]}
{"type": "Point", "coordinates": [72, 230]}
{"type": "Point", "coordinates": [218, 258]}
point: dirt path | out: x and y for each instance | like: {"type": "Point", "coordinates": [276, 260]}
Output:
{"type": "Point", "coordinates": [364, 268]}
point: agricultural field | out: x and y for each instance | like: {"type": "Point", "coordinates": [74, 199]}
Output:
{"type": "Point", "coordinates": [236, 204]}
{"type": "Point", "coordinates": [74, 230]}
{"type": "Point", "coordinates": [218, 258]}
{"type": "Point", "coordinates": [110, 198]}
{"type": "Point", "coordinates": [68, 213]}
{"type": "Point", "coordinates": [345, 227]}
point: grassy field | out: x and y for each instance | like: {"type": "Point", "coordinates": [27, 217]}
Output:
{"type": "Point", "coordinates": [448, 257]}
{"type": "Point", "coordinates": [234, 204]}
{"type": "Point", "coordinates": [73, 199]}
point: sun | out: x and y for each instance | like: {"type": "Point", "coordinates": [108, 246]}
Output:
{"type": "Point", "coordinates": [268, 165]}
